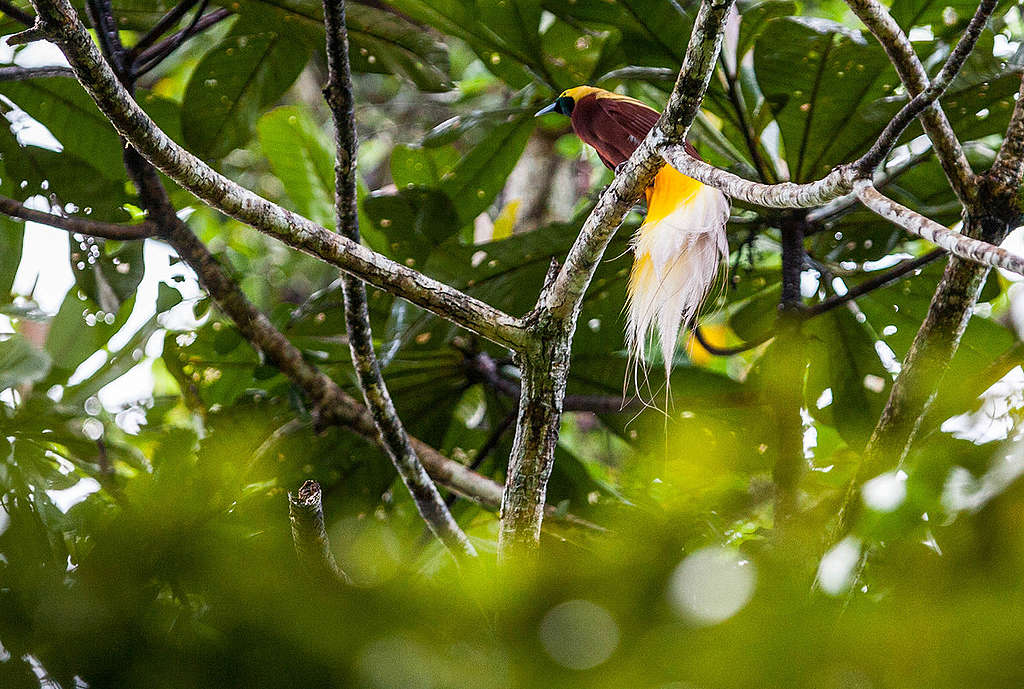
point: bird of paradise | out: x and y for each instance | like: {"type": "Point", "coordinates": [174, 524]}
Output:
{"type": "Point", "coordinates": [679, 248]}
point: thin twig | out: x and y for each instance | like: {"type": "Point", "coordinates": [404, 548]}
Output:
{"type": "Point", "coordinates": [16, 14]}
{"type": "Point", "coordinates": [393, 436]}
{"type": "Point", "coordinates": [733, 350]}
{"type": "Point", "coordinates": [152, 57]}
{"type": "Point", "coordinates": [24, 73]}
{"type": "Point", "coordinates": [161, 27]}
{"type": "Point", "coordinates": [877, 282]}
{"type": "Point", "coordinates": [93, 228]}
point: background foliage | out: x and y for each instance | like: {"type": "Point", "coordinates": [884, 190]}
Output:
{"type": "Point", "coordinates": [170, 565]}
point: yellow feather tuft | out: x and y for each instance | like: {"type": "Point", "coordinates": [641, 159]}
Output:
{"type": "Point", "coordinates": [678, 251]}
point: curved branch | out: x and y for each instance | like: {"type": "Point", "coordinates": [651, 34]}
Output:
{"type": "Point", "coordinates": [923, 100]}
{"type": "Point", "coordinates": [93, 228]}
{"type": "Point", "coordinates": [393, 436]}
{"type": "Point", "coordinates": [901, 53]}
{"type": "Point", "coordinates": [954, 242]}
{"type": "Point", "coordinates": [63, 26]}
{"type": "Point", "coordinates": [715, 350]}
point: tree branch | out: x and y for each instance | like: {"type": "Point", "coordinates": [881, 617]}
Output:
{"type": "Point", "coordinates": [106, 230]}
{"type": "Point", "coordinates": [392, 433]}
{"type": "Point", "coordinates": [306, 513]}
{"type": "Point", "coordinates": [545, 364]}
{"type": "Point", "coordinates": [1009, 163]}
{"type": "Point", "coordinates": [956, 243]}
{"type": "Point", "coordinates": [877, 282]}
{"type": "Point", "coordinates": [901, 53]}
{"type": "Point", "coordinates": [152, 57]}
{"type": "Point", "coordinates": [23, 73]}
{"type": "Point", "coordinates": [64, 28]}
{"type": "Point", "coordinates": [923, 100]}
{"type": "Point", "coordinates": [158, 29]}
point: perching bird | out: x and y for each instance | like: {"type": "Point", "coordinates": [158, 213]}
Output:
{"type": "Point", "coordinates": [680, 245]}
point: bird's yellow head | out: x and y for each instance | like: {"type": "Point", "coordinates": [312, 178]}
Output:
{"type": "Point", "coordinates": [567, 100]}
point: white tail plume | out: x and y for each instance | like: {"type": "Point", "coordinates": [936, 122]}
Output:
{"type": "Point", "coordinates": [677, 254]}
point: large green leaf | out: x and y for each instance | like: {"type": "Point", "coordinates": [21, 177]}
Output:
{"type": "Point", "coordinates": [481, 174]}
{"type": "Point", "coordinates": [20, 362]}
{"type": "Point", "coordinates": [301, 157]}
{"type": "Point", "coordinates": [842, 359]}
{"type": "Point", "coordinates": [385, 42]}
{"type": "Point", "coordinates": [828, 89]}
{"type": "Point", "coordinates": [11, 241]}
{"type": "Point", "coordinates": [250, 69]}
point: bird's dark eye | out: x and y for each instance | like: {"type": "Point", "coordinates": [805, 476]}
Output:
{"type": "Point", "coordinates": [564, 104]}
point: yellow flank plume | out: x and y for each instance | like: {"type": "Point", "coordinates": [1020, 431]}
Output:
{"type": "Point", "coordinates": [677, 254]}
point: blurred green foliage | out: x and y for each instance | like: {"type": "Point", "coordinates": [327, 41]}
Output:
{"type": "Point", "coordinates": [146, 544]}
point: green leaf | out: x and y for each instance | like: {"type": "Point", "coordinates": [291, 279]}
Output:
{"type": "Point", "coordinates": [79, 329]}
{"type": "Point", "coordinates": [828, 88]}
{"type": "Point", "coordinates": [384, 42]}
{"type": "Point", "coordinates": [251, 68]}
{"type": "Point", "coordinates": [11, 242]}
{"type": "Point", "coordinates": [413, 221]}
{"type": "Point", "coordinates": [754, 19]}
{"type": "Point", "coordinates": [108, 272]}
{"type": "Point", "coordinates": [842, 359]}
{"type": "Point", "coordinates": [20, 362]}
{"type": "Point", "coordinates": [414, 166]}
{"type": "Point", "coordinates": [482, 173]}
{"type": "Point", "coordinates": [301, 158]}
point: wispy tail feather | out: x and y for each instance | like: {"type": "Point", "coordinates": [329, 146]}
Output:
{"type": "Point", "coordinates": [678, 251]}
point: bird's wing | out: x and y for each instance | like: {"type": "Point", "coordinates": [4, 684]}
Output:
{"type": "Point", "coordinates": [613, 125]}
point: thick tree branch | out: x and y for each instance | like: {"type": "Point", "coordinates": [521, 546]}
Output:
{"type": "Point", "coordinates": [306, 513]}
{"type": "Point", "coordinates": [783, 195]}
{"type": "Point", "coordinates": [901, 53]}
{"type": "Point", "coordinates": [106, 230]}
{"type": "Point", "coordinates": [1009, 163]}
{"type": "Point", "coordinates": [545, 364]}
{"type": "Point", "coordinates": [357, 313]}
{"type": "Point", "coordinates": [956, 243]}
{"type": "Point", "coordinates": [64, 28]}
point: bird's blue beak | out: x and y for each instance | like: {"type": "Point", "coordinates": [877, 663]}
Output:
{"type": "Point", "coordinates": [545, 111]}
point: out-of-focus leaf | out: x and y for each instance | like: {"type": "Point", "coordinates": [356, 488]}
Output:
{"type": "Point", "coordinates": [250, 69]}
{"type": "Point", "coordinates": [80, 328]}
{"type": "Point", "coordinates": [842, 359]}
{"type": "Point", "coordinates": [413, 166]}
{"type": "Point", "coordinates": [20, 362]}
{"type": "Point", "coordinates": [300, 156]}
{"type": "Point", "coordinates": [413, 222]}
{"type": "Point", "coordinates": [11, 241]}
{"type": "Point", "coordinates": [482, 173]}
{"type": "Point", "coordinates": [754, 19]}
{"type": "Point", "coordinates": [107, 272]}
{"type": "Point", "coordinates": [385, 42]}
